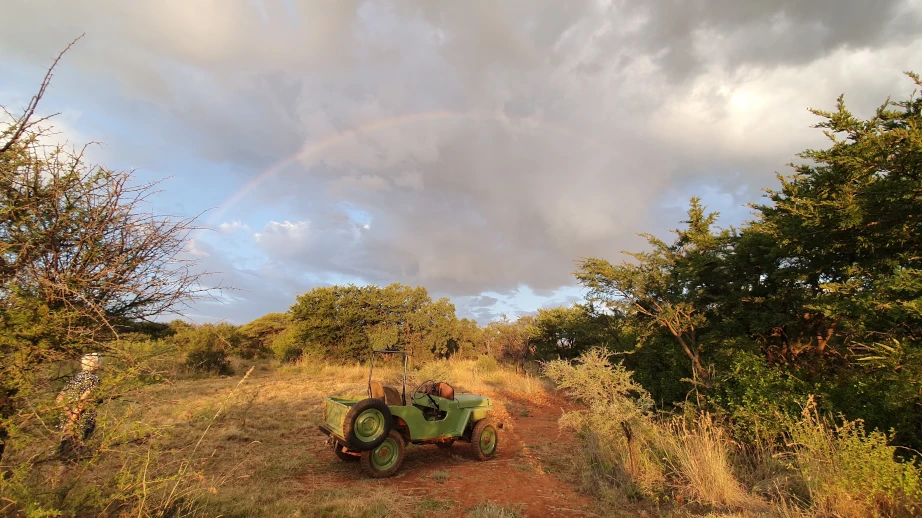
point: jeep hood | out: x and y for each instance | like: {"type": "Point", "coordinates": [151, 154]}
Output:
{"type": "Point", "coordinates": [472, 400]}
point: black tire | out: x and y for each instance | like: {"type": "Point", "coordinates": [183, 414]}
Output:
{"type": "Point", "coordinates": [484, 439]}
{"type": "Point", "coordinates": [445, 445]}
{"type": "Point", "coordinates": [386, 459]}
{"type": "Point", "coordinates": [367, 424]}
{"type": "Point", "coordinates": [343, 456]}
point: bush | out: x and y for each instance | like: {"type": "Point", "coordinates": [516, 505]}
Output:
{"type": "Point", "coordinates": [850, 472]}
{"type": "Point", "coordinates": [207, 358]}
{"type": "Point", "coordinates": [613, 427]}
{"type": "Point", "coordinates": [754, 394]}
{"type": "Point", "coordinates": [259, 334]}
{"type": "Point", "coordinates": [487, 363]}
{"type": "Point", "coordinates": [207, 347]}
{"type": "Point", "coordinates": [627, 448]}
{"type": "Point", "coordinates": [288, 346]}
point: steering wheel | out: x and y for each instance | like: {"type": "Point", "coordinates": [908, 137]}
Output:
{"type": "Point", "coordinates": [428, 387]}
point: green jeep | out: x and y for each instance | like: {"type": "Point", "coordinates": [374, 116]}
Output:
{"type": "Point", "coordinates": [377, 428]}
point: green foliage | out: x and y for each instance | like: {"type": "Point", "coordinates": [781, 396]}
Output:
{"type": "Point", "coordinates": [670, 289]}
{"type": "Point", "coordinates": [346, 322]}
{"type": "Point", "coordinates": [851, 472]}
{"type": "Point", "coordinates": [567, 332]}
{"type": "Point", "coordinates": [820, 293]}
{"type": "Point", "coordinates": [259, 334]}
{"type": "Point", "coordinates": [207, 347]}
{"type": "Point", "coordinates": [756, 394]}
{"type": "Point", "coordinates": [288, 346]}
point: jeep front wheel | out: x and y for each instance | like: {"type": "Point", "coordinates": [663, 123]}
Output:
{"type": "Point", "coordinates": [484, 439]}
{"type": "Point", "coordinates": [386, 459]}
{"type": "Point", "coordinates": [367, 424]}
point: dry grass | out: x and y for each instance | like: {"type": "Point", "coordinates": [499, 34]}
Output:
{"type": "Point", "coordinates": [493, 510]}
{"type": "Point", "coordinates": [373, 503]}
{"type": "Point", "coordinates": [698, 456]}
{"type": "Point", "coordinates": [253, 449]}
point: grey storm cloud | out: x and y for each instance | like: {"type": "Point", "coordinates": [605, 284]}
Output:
{"type": "Point", "coordinates": [474, 146]}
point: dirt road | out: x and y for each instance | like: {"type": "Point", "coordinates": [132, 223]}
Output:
{"type": "Point", "coordinates": [525, 474]}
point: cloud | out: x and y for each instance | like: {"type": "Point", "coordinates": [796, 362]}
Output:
{"type": "Point", "coordinates": [483, 301]}
{"type": "Point", "coordinates": [471, 148]}
{"type": "Point", "coordinates": [233, 226]}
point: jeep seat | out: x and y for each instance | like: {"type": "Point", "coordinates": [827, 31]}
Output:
{"type": "Point", "coordinates": [443, 390]}
{"type": "Point", "coordinates": [386, 393]}
{"type": "Point", "coordinates": [392, 396]}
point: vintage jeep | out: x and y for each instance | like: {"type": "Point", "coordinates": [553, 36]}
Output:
{"type": "Point", "coordinates": [376, 429]}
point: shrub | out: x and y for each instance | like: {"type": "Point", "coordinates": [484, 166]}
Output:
{"type": "Point", "coordinates": [487, 363]}
{"type": "Point", "coordinates": [288, 346]}
{"type": "Point", "coordinates": [851, 472]}
{"type": "Point", "coordinates": [613, 428]}
{"type": "Point", "coordinates": [258, 335]}
{"type": "Point", "coordinates": [207, 358]}
{"type": "Point", "coordinates": [754, 394]}
{"type": "Point", "coordinates": [207, 347]}
{"type": "Point", "coordinates": [627, 448]}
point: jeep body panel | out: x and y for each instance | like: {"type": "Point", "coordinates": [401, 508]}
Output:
{"type": "Point", "coordinates": [458, 413]}
{"type": "Point", "coordinates": [334, 414]}
{"type": "Point", "coordinates": [473, 401]}
{"type": "Point", "coordinates": [463, 410]}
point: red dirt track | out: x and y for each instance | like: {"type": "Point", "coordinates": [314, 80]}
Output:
{"type": "Point", "coordinates": [516, 477]}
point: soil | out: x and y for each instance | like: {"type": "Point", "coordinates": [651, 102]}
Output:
{"type": "Point", "coordinates": [526, 473]}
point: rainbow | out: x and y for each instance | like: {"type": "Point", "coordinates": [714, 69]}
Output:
{"type": "Point", "coordinates": [314, 147]}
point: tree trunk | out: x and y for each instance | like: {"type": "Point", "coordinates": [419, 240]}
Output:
{"type": "Point", "coordinates": [699, 370]}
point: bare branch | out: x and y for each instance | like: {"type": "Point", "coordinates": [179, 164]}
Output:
{"type": "Point", "coordinates": [24, 122]}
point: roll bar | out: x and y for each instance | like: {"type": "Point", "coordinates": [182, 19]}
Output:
{"type": "Point", "coordinates": [389, 351]}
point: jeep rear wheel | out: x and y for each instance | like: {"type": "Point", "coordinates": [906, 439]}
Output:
{"type": "Point", "coordinates": [367, 424]}
{"type": "Point", "coordinates": [386, 459]}
{"type": "Point", "coordinates": [484, 439]}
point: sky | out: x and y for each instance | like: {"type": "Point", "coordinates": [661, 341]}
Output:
{"type": "Point", "coordinates": [476, 148]}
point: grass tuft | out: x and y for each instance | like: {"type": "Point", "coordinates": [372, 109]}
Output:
{"type": "Point", "coordinates": [494, 510]}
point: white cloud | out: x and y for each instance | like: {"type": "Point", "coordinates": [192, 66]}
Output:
{"type": "Point", "coordinates": [284, 230]}
{"type": "Point", "coordinates": [233, 226]}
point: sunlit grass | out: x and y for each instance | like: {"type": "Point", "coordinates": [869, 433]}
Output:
{"type": "Point", "coordinates": [263, 456]}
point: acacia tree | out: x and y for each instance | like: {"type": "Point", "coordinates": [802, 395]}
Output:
{"type": "Point", "coordinates": [510, 340]}
{"type": "Point", "coordinates": [345, 322]}
{"type": "Point", "coordinates": [81, 257]}
{"type": "Point", "coordinates": [567, 332]}
{"type": "Point", "coordinates": [844, 235]}
{"type": "Point", "coordinates": [671, 287]}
